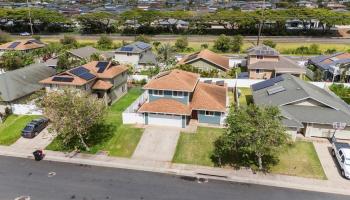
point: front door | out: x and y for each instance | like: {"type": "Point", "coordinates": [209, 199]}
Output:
{"type": "Point", "coordinates": [194, 114]}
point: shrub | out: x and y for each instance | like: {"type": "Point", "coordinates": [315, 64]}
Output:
{"type": "Point", "coordinates": [68, 40]}
{"type": "Point", "coordinates": [142, 38]}
{"type": "Point", "coordinates": [236, 43]}
{"type": "Point", "coordinates": [204, 46]}
{"type": "Point", "coordinates": [104, 42]}
{"type": "Point", "coordinates": [4, 37]}
{"type": "Point", "coordinates": [222, 44]}
{"type": "Point", "coordinates": [269, 43]}
{"type": "Point", "coordinates": [181, 44]}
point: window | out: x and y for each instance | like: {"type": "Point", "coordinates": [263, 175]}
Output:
{"type": "Point", "coordinates": [209, 113]}
{"type": "Point", "coordinates": [259, 71]}
{"type": "Point", "coordinates": [158, 93]}
{"type": "Point", "coordinates": [259, 57]}
{"type": "Point", "coordinates": [178, 94]}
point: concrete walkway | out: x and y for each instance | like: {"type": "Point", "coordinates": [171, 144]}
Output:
{"type": "Point", "coordinates": [40, 141]}
{"type": "Point", "coordinates": [157, 144]}
{"type": "Point", "coordinates": [243, 175]}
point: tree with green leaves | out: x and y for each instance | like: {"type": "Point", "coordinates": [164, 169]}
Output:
{"type": "Point", "coordinates": [13, 60]}
{"type": "Point", "coordinates": [254, 136]}
{"type": "Point", "coordinates": [165, 54]}
{"type": "Point", "coordinates": [222, 44]}
{"type": "Point", "coordinates": [142, 38]}
{"type": "Point", "coordinates": [269, 43]}
{"type": "Point", "coordinates": [69, 41]}
{"type": "Point", "coordinates": [181, 44]}
{"type": "Point", "coordinates": [105, 42]}
{"type": "Point", "coordinates": [74, 116]}
{"type": "Point", "coordinates": [65, 62]}
{"type": "Point", "coordinates": [236, 43]}
{"type": "Point", "coordinates": [4, 37]}
{"type": "Point", "coordinates": [97, 22]}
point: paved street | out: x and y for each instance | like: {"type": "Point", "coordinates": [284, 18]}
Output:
{"type": "Point", "coordinates": [20, 176]}
{"type": "Point", "coordinates": [157, 144]}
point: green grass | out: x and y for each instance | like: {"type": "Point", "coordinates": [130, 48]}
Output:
{"type": "Point", "coordinates": [246, 96]}
{"type": "Point", "coordinates": [10, 129]}
{"type": "Point", "coordinates": [123, 138]}
{"type": "Point", "coordinates": [198, 147]}
{"type": "Point", "coordinates": [299, 159]}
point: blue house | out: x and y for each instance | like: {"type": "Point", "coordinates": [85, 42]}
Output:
{"type": "Point", "coordinates": [176, 97]}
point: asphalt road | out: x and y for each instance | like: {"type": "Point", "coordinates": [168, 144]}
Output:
{"type": "Point", "coordinates": [211, 38]}
{"type": "Point", "coordinates": [27, 177]}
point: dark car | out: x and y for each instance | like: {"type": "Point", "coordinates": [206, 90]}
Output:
{"type": "Point", "coordinates": [34, 127]}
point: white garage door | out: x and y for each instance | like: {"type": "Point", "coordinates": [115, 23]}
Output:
{"type": "Point", "coordinates": [165, 120]}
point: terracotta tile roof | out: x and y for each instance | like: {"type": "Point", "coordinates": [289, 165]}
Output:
{"type": "Point", "coordinates": [110, 72]}
{"type": "Point", "coordinates": [222, 62]}
{"type": "Point", "coordinates": [209, 97]}
{"type": "Point", "coordinates": [283, 65]}
{"type": "Point", "coordinates": [166, 106]}
{"type": "Point", "coordinates": [75, 79]}
{"type": "Point", "coordinates": [22, 45]}
{"type": "Point", "coordinates": [176, 80]}
{"type": "Point", "coordinates": [102, 85]}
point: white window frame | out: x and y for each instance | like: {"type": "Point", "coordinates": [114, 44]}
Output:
{"type": "Point", "coordinates": [179, 94]}
{"type": "Point", "coordinates": [160, 93]}
{"type": "Point", "coordinates": [209, 113]}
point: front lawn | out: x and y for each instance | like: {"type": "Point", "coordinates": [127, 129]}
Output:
{"type": "Point", "coordinates": [198, 147]}
{"type": "Point", "coordinates": [121, 140]}
{"type": "Point", "coordinates": [10, 129]}
{"type": "Point", "coordinates": [299, 159]}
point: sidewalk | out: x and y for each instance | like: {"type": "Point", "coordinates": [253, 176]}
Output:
{"type": "Point", "coordinates": [243, 176]}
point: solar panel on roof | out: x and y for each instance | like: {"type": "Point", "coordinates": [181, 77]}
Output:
{"type": "Point", "coordinates": [142, 45]}
{"type": "Point", "coordinates": [275, 90]}
{"type": "Point", "coordinates": [14, 45]}
{"type": "Point", "coordinates": [87, 76]}
{"type": "Point", "coordinates": [102, 65]}
{"type": "Point", "coordinates": [79, 70]}
{"type": "Point", "coordinates": [267, 83]}
{"type": "Point", "coordinates": [62, 79]}
{"type": "Point", "coordinates": [126, 49]}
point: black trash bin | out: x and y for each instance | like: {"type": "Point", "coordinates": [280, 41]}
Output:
{"type": "Point", "coordinates": [38, 155]}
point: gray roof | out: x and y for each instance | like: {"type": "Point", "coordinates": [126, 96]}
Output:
{"type": "Point", "coordinates": [148, 58]}
{"type": "Point", "coordinates": [329, 109]}
{"type": "Point", "coordinates": [21, 82]}
{"type": "Point", "coordinates": [283, 65]}
{"type": "Point", "coordinates": [332, 60]}
{"type": "Point", "coordinates": [262, 50]}
{"type": "Point", "coordinates": [84, 52]}
{"type": "Point", "coordinates": [136, 47]}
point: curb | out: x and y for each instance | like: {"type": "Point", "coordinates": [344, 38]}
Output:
{"type": "Point", "coordinates": [183, 172]}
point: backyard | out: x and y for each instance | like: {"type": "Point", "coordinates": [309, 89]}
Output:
{"type": "Point", "coordinates": [121, 140]}
{"type": "Point", "coordinates": [246, 97]}
{"type": "Point", "coordinates": [10, 129]}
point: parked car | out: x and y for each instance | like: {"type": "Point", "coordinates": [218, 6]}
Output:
{"type": "Point", "coordinates": [24, 34]}
{"type": "Point", "coordinates": [34, 127]}
{"type": "Point", "coordinates": [341, 152]}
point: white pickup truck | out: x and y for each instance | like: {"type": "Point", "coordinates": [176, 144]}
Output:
{"type": "Point", "coordinates": [341, 151]}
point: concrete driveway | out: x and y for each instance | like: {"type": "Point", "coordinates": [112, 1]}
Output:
{"type": "Point", "coordinates": [157, 143]}
{"type": "Point", "coordinates": [43, 139]}
{"type": "Point", "coordinates": [329, 164]}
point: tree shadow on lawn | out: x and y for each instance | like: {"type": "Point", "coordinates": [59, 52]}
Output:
{"type": "Point", "coordinates": [101, 133]}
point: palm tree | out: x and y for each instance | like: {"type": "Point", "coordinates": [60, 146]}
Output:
{"type": "Point", "coordinates": [166, 54]}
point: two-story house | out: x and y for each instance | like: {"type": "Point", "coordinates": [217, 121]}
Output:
{"type": "Point", "coordinates": [176, 97]}
{"type": "Point", "coordinates": [101, 78]}
{"type": "Point", "coordinates": [137, 54]}
{"type": "Point", "coordinates": [22, 45]}
{"type": "Point", "coordinates": [264, 62]}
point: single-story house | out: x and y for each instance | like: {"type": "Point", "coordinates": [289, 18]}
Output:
{"type": "Point", "coordinates": [305, 108]}
{"type": "Point", "coordinates": [206, 60]}
{"type": "Point", "coordinates": [265, 62]}
{"type": "Point", "coordinates": [176, 97]}
{"type": "Point", "coordinates": [17, 84]}
{"type": "Point", "coordinates": [22, 45]}
{"type": "Point", "coordinates": [102, 78]}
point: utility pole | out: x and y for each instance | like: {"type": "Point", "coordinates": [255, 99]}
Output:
{"type": "Point", "coordinates": [261, 23]}
{"type": "Point", "coordinates": [30, 19]}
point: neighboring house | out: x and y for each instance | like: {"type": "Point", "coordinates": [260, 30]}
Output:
{"type": "Point", "coordinates": [176, 97]}
{"type": "Point", "coordinates": [170, 23]}
{"type": "Point", "coordinates": [17, 84]}
{"type": "Point", "coordinates": [307, 4]}
{"type": "Point", "coordinates": [265, 62]}
{"type": "Point", "coordinates": [137, 54]}
{"type": "Point", "coordinates": [22, 45]}
{"type": "Point", "coordinates": [329, 65]}
{"type": "Point", "coordinates": [83, 53]}
{"type": "Point", "coordinates": [305, 108]}
{"type": "Point", "coordinates": [206, 60]}
{"type": "Point", "coordinates": [101, 78]}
